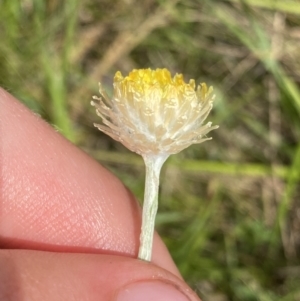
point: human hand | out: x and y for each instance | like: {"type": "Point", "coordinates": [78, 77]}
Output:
{"type": "Point", "coordinates": [69, 229]}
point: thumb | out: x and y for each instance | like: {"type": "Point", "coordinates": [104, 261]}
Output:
{"type": "Point", "coordinates": [36, 275]}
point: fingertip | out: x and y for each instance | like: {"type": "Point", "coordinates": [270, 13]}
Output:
{"type": "Point", "coordinates": [55, 197]}
{"type": "Point", "coordinates": [52, 276]}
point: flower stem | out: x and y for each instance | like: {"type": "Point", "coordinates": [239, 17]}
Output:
{"type": "Point", "coordinates": [153, 166]}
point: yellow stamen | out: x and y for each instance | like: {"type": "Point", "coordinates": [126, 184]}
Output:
{"type": "Point", "coordinates": [144, 79]}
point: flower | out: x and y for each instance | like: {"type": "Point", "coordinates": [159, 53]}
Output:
{"type": "Point", "coordinates": [152, 113]}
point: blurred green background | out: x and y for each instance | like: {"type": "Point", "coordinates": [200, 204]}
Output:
{"type": "Point", "coordinates": [229, 208]}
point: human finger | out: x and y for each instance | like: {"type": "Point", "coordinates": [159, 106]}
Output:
{"type": "Point", "coordinates": [35, 275]}
{"type": "Point", "coordinates": [55, 197]}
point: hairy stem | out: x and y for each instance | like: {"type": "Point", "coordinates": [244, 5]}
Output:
{"type": "Point", "coordinates": [153, 166]}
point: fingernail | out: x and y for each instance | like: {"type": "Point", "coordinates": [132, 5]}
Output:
{"type": "Point", "coordinates": [149, 291]}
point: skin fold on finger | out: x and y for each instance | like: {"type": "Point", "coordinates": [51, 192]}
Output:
{"type": "Point", "coordinates": [37, 275]}
{"type": "Point", "coordinates": [55, 197]}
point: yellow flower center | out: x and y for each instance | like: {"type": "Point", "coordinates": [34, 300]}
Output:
{"type": "Point", "coordinates": [151, 77]}
{"type": "Point", "coordinates": [145, 79]}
